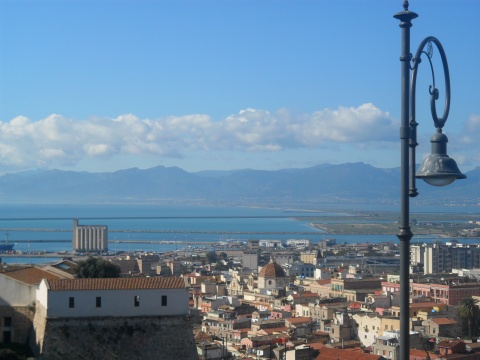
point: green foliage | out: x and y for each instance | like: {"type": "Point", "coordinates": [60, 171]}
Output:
{"type": "Point", "coordinates": [211, 257]}
{"type": "Point", "coordinates": [14, 351]}
{"type": "Point", "coordinates": [221, 267]}
{"type": "Point", "coordinates": [469, 311]}
{"type": "Point", "coordinates": [222, 256]}
{"type": "Point", "coordinates": [97, 267]}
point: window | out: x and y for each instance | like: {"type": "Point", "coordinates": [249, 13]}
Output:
{"type": "Point", "coordinates": [164, 300]}
{"type": "Point", "coordinates": [7, 321]}
{"type": "Point", "coordinates": [71, 302]}
{"type": "Point", "coordinates": [136, 300]}
{"type": "Point", "coordinates": [98, 301]}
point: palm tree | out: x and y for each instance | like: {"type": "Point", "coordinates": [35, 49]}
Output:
{"type": "Point", "coordinates": [470, 311]}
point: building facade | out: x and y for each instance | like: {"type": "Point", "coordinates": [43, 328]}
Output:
{"type": "Point", "coordinates": [67, 298]}
{"type": "Point", "coordinates": [89, 238]}
{"type": "Point", "coordinates": [441, 258]}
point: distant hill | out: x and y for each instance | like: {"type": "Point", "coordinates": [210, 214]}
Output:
{"type": "Point", "coordinates": [318, 184]}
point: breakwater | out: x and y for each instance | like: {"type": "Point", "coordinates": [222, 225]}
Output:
{"type": "Point", "coordinates": [213, 232]}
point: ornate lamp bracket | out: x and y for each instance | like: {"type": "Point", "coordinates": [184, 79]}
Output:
{"type": "Point", "coordinates": [439, 122]}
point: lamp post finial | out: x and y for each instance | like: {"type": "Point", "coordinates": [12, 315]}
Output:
{"type": "Point", "coordinates": [405, 5]}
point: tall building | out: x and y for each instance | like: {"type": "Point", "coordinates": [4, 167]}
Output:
{"type": "Point", "coordinates": [437, 258]}
{"type": "Point", "coordinates": [252, 244]}
{"type": "Point", "coordinates": [91, 238]}
{"type": "Point", "coordinates": [250, 259]}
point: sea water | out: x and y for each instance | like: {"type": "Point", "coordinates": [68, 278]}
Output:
{"type": "Point", "coordinates": [48, 228]}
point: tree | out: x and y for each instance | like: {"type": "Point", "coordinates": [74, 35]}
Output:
{"type": "Point", "coordinates": [469, 311]}
{"type": "Point", "coordinates": [223, 256]}
{"type": "Point", "coordinates": [211, 257]}
{"type": "Point", "coordinates": [97, 267]}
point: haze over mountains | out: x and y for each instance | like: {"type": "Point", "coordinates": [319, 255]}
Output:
{"type": "Point", "coordinates": [318, 184]}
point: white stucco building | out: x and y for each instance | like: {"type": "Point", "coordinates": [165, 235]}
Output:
{"type": "Point", "coordinates": [65, 298]}
{"type": "Point", "coordinates": [17, 299]}
{"type": "Point", "coordinates": [18, 288]}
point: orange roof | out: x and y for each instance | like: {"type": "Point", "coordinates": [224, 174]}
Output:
{"type": "Point", "coordinates": [299, 320]}
{"type": "Point", "coordinates": [116, 284]}
{"type": "Point", "coordinates": [324, 281]}
{"type": "Point", "coordinates": [421, 354]}
{"type": "Point", "coordinates": [444, 321]}
{"type": "Point", "coordinates": [274, 330]}
{"type": "Point", "coordinates": [449, 343]}
{"type": "Point", "coordinates": [202, 335]}
{"type": "Point", "coordinates": [31, 275]}
{"type": "Point", "coordinates": [344, 354]}
{"type": "Point", "coordinates": [309, 294]}
{"type": "Point", "coordinates": [316, 345]}
{"type": "Point", "coordinates": [272, 269]}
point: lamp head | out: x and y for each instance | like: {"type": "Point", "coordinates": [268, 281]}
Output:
{"type": "Point", "coordinates": [439, 169]}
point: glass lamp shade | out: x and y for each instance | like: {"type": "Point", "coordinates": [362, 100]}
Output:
{"type": "Point", "coordinates": [439, 169]}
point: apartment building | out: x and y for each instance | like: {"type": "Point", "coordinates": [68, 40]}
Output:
{"type": "Point", "coordinates": [441, 258]}
{"type": "Point", "coordinates": [355, 289]}
{"type": "Point", "coordinates": [449, 293]}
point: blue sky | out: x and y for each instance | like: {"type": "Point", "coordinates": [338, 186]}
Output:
{"type": "Point", "coordinates": [228, 84]}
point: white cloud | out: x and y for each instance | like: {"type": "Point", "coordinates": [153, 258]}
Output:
{"type": "Point", "coordinates": [57, 140]}
{"type": "Point", "coordinates": [466, 146]}
{"type": "Point", "coordinates": [472, 130]}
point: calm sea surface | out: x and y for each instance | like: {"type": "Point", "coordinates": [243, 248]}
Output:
{"type": "Point", "coordinates": [49, 227]}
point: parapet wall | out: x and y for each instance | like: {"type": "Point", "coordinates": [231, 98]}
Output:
{"type": "Point", "coordinates": [167, 338]}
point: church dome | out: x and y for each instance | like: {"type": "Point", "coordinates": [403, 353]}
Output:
{"type": "Point", "coordinates": [272, 269]}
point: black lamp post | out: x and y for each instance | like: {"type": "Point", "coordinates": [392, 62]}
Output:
{"type": "Point", "coordinates": [438, 169]}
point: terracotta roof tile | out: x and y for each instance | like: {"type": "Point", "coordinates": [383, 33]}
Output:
{"type": "Point", "coordinates": [309, 294]}
{"type": "Point", "coordinates": [444, 321]}
{"type": "Point", "coordinates": [323, 281]}
{"type": "Point", "coordinates": [31, 275]}
{"type": "Point", "coordinates": [272, 269]}
{"type": "Point", "coordinates": [421, 354]}
{"type": "Point", "coordinates": [299, 320]}
{"type": "Point", "coordinates": [335, 354]}
{"type": "Point", "coordinates": [354, 305]}
{"type": "Point", "coordinates": [448, 343]}
{"type": "Point", "coordinates": [274, 330]}
{"type": "Point", "coordinates": [116, 284]}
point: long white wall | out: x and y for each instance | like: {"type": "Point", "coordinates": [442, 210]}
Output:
{"type": "Point", "coordinates": [15, 293]}
{"type": "Point", "coordinates": [113, 302]}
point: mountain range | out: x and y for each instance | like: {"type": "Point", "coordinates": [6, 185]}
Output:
{"type": "Point", "coordinates": [323, 183]}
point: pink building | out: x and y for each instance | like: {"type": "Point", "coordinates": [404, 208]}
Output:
{"type": "Point", "coordinates": [449, 294]}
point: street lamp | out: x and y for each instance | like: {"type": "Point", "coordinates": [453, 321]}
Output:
{"type": "Point", "coordinates": [438, 169]}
